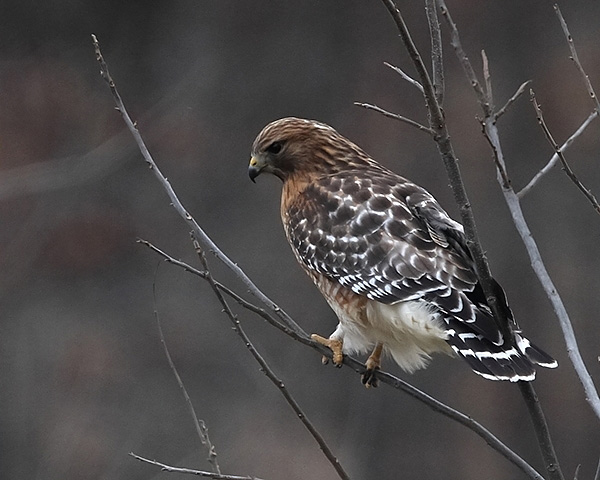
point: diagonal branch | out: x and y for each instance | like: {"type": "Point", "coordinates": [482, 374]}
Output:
{"type": "Point", "coordinates": [267, 370]}
{"type": "Point", "coordinates": [383, 377]}
{"type": "Point", "coordinates": [178, 206]}
{"type": "Point", "coordinates": [575, 58]}
{"type": "Point", "coordinates": [405, 76]}
{"type": "Point", "coordinates": [567, 169]}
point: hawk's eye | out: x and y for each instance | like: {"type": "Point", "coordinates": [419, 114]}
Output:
{"type": "Point", "coordinates": [275, 148]}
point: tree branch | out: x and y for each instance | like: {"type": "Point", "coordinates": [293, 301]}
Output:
{"type": "Point", "coordinates": [267, 370]}
{"type": "Point", "coordinates": [207, 242]}
{"type": "Point", "coordinates": [383, 377]}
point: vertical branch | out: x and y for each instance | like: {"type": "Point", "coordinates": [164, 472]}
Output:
{"type": "Point", "coordinates": [437, 60]}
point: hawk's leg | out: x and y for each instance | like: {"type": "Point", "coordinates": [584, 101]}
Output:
{"type": "Point", "coordinates": [373, 363]}
{"type": "Point", "coordinates": [334, 345]}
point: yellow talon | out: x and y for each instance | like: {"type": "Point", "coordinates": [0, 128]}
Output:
{"type": "Point", "coordinates": [334, 345]}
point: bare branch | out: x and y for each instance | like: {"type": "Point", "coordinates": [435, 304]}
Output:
{"type": "Point", "coordinates": [575, 58]}
{"type": "Point", "coordinates": [268, 371]}
{"type": "Point", "coordinates": [567, 169]}
{"type": "Point", "coordinates": [597, 475]}
{"type": "Point", "coordinates": [539, 268]}
{"type": "Point", "coordinates": [200, 473]}
{"type": "Point", "coordinates": [395, 116]}
{"type": "Point", "coordinates": [199, 424]}
{"type": "Point", "coordinates": [178, 206]}
{"type": "Point", "coordinates": [554, 159]}
{"type": "Point", "coordinates": [405, 76]}
{"type": "Point", "coordinates": [384, 377]}
{"type": "Point", "coordinates": [520, 91]}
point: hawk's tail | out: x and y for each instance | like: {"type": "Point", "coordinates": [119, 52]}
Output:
{"type": "Point", "coordinates": [497, 362]}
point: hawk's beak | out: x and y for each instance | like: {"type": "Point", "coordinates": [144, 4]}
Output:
{"type": "Point", "coordinates": [254, 169]}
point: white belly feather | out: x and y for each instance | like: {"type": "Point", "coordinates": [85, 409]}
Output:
{"type": "Point", "coordinates": [409, 331]}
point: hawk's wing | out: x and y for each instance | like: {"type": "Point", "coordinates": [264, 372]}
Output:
{"type": "Point", "coordinates": [388, 239]}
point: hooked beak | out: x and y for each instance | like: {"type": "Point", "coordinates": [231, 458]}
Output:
{"type": "Point", "coordinates": [254, 169]}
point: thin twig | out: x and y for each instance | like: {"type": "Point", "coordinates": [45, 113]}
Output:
{"type": "Point", "coordinates": [178, 206]}
{"type": "Point", "coordinates": [267, 370]}
{"type": "Point", "coordinates": [597, 475]}
{"type": "Point", "coordinates": [554, 159]}
{"type": "Point", "coordinates": [405, 76]}
{"type": "Point", "coordinates": [201, 428]}
{"type": "Point", "coordinates": [200, 473]}
{"type": "Point", "coordinates": [567, 169]}
{"type": "Point", "coordinates": [575, 58]}
{"type": "Point", "coordinates": [395, 116]}
{"type": "Point", "coordinates": [384, 377]}
{"type": "Point", "coordinates": [520, 91]}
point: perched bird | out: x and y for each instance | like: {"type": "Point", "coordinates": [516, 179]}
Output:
{"type": "Point", "coordinates": [391, 263]}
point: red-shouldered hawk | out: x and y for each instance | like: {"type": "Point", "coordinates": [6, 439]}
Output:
{"type": "Point", "coordinates": [391, 263]}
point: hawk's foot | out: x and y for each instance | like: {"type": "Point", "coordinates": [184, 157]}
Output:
{"type": "Point", "coordinates": [334, 345]}
{"type": "Point", "coordinates": [373, 364]}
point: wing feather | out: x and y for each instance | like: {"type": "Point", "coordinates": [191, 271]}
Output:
{"type": "Point", "coordinates": [388, 239]}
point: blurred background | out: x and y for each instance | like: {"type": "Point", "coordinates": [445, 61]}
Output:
{"type": "Point", "coordinates": [83, 377]}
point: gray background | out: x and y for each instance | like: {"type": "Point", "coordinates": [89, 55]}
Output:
{"type": "Point", "coordinates": [82, 374]}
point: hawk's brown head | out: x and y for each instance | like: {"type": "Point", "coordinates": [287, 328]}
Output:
{"type": "Point", "coordinates": [294, 146]}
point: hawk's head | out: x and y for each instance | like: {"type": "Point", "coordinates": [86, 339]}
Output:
{"type": "Point", "coordinates": [292, 146]}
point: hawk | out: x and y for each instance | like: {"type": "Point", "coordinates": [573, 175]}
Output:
{"type": "Point", "coordinates": [391, 263]}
